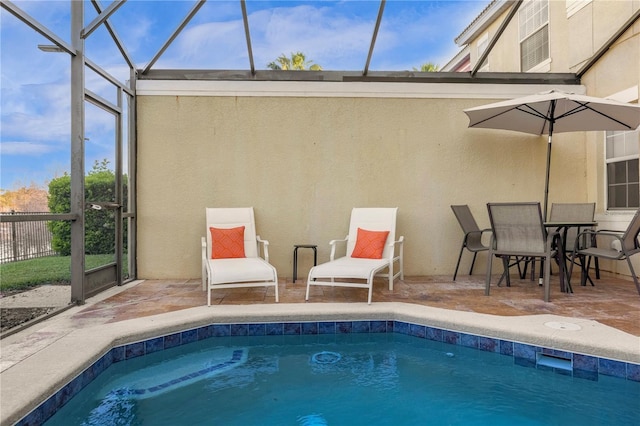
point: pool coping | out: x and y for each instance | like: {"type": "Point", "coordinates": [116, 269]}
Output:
{"type": "Point", "coordinates": [79, 349]}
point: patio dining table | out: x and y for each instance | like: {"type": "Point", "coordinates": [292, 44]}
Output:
{"type": "Point", "coordinates": [562, 227]}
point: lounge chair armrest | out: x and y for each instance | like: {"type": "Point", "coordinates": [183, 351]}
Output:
{"type": "Point", "coordinates": [204, 249]}
{"type": "Point", "coordinates": [265, 247]}
{"type": "Point", "coordinates": [333, 244]}
{"type": "Point", "coordinates": [397, 243]}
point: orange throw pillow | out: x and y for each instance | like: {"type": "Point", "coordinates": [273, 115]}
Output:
{"type": "Point", "coordinates": [227, 243]}
{"type": "Point", "coordinates": [370, 244]}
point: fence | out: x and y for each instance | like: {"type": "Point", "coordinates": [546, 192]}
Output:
{"type": "Point", "coordinates": [24, 240]}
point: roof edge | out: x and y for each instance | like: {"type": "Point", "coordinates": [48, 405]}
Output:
{"type": "Point", "coordinates": [483, 20]}
{"type": "Point", "coordinates": [373, 76]}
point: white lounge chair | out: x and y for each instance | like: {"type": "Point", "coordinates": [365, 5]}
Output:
{"type": "Point", "coordinates": [363, 268]}
{"type": "Point", "coordinates": [231, 255]}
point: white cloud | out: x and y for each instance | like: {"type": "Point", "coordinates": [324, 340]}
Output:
{"type": "Point", "coordinates": [26, 148]}
{"type": "Point", "coordinates": [35, 95]}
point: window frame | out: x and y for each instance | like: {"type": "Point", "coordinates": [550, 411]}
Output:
{"type": "Point", "coordinates": [625, 157]}
{"type": "Point", "coordinates": [481, 47]}
{"type": "Point", "coordinates": [522, 38]}
{"type": "Point", "coordinates": [629, 95]}
{"type": "Point", "coordinates": [574, 6]}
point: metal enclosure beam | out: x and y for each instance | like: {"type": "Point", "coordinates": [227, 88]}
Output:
{"type": "Point", "coordinates": [173, 36]}
{"type": "Point", "coordinates": [375, 35]}
{"type": "Point", "coordinates": [102, 16]}
{"type": "Point", "coordinates": [119, 187]}
{"type": "Point", "coordinates": [132, 207]}
{"type": "Point", "coordinates": [41, 29]}
{"type": "Point", "coordinates": [496, 36]}
{"type": "Point", "coordinates": [245, 19]}
{"type": "Point", "coordinates": [77, 155]}
{"type": "Point", "coordinates": [115, 37]}
{"type": "Point", "coordinates": [606, 46]}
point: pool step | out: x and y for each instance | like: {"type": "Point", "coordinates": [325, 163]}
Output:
{"type": "Point", "coordinates": [169, 375]}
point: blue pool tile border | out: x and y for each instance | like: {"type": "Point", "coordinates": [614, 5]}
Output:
{"type": "Point", "coordinates": [582, 366]}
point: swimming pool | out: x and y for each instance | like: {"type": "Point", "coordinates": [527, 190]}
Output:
{"type": "Point", "coordinates": [455, 361]}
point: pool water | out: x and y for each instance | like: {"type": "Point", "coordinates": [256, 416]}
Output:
{"type": "Point", "coordinates": [343, 379]}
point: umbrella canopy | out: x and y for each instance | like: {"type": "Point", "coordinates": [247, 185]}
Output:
{"type": "Point", "coordinates": [555, 112]}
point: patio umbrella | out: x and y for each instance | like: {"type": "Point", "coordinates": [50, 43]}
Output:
{"type": "Point", "coordinates": [555, 112]}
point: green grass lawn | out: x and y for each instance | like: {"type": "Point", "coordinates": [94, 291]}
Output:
{"type": "Point", "coordinates": [44, 270]}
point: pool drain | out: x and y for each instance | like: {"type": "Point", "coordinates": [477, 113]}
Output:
{"type": "Point", "coordinates": [326, 357]}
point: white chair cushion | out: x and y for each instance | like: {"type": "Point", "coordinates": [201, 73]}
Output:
{"type": "Point", "coordinates": [348, 267]}
{"type": "Point", "coordinates": [246, 269]}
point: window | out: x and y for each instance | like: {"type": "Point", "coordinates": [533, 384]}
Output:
{"type": "Point", "coordinates": [483, 43]}
{"type": "Point", "coordinates": [574, 6]}
{"type": "Point", "coordinates": [534, 33]}
{"type": "Point", "coordinates": [623, 185]}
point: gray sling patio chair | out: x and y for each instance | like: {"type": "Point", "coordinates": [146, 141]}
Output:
{"type": "Point", "coordinates": [618, 246]}
{"type": "Point", "coordinates": [472, 239]}
{"type": "Point", "coordinates": [518, 231]}
{"type": "Point", "coordinates": [574, 212]}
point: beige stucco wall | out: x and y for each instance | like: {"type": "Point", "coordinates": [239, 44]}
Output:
{"type": "Point", "coordinates": [573, 38]}
{"type": "Point", "coordinates": [304, 159]}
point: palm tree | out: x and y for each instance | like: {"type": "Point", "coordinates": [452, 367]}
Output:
{"type": "Point", "coordinates": [296, 62]}
{"type": "Point", "coordinates": [428, 67]}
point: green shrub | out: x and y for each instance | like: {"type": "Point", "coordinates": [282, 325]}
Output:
{"type": "Point", "coordinates": [99, 224]}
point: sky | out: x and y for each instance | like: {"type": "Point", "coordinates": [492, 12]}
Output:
{"type": "Point", "coordinates": [34, 85]}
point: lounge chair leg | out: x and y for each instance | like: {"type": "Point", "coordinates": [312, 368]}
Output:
{"type": "Point", "coordinates": [306, 297]}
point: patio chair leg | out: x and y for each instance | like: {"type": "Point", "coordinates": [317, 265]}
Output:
{"type": "Point", "coordinates": [505, 260]}
{"type": "Point", "coordinates": [505, 274]}
{"type": "Point", "coordinates": [547, 278]}
{"type": "Point", "coordinates": [520, 273]}
{"type": "Point", "coordinates": [587, 276]}
{"type": "Point", "coordinates": [633, 274]}
{"type": "Point", "coordinates": [473, 262]}
{"type": "Point", "coordinates": [458, 264]}
{"type": "Point", "coordinates": [487, 283]}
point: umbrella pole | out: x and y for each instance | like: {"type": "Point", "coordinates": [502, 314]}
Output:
{"type": "Point", "coordinates": [550, 117]}
{"type": "Point", "coordinates": [546, 183]}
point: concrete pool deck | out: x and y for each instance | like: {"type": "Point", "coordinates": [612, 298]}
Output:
{"type": "Point", "coordinates": [38, 361]}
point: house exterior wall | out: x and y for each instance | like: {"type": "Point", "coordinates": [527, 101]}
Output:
{"type": "Point", "coordinates": [574, 36]}
{"type": "Point", "coordinates": [304, 154]}
{"type": "Point", "coordinates": [577, 30]}
{"type": "Point", "coordinates": [615, 75]}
